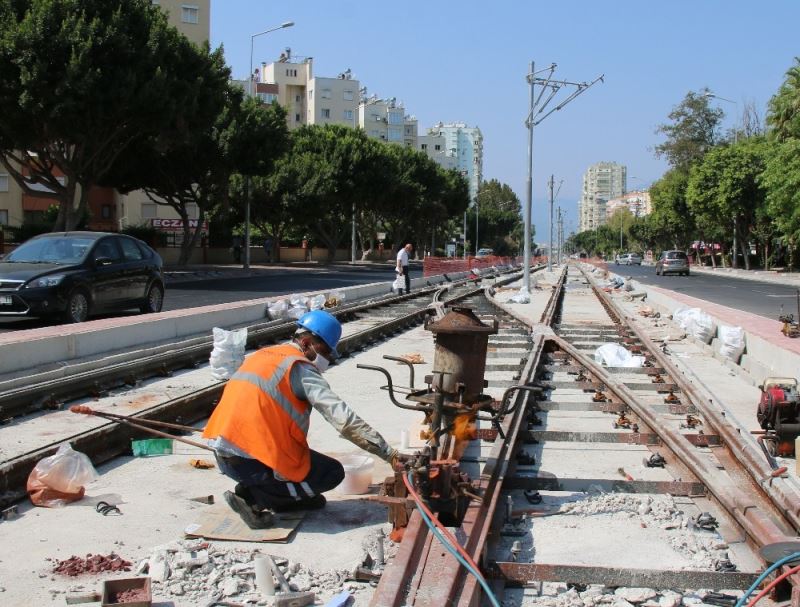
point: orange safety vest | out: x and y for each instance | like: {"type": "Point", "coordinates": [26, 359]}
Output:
{"type": "Point", "coordinates": [260, 414]}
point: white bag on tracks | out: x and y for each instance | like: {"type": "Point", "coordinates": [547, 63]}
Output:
{"type": "Point", "coordinates": [228, 353]}
{"type": "Point", "coordinates": [731, 342]}
{"type": "Point", "coordinates": [614, 355]}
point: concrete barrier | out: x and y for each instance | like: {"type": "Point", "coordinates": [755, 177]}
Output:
{"type": "Point", "coordinates": [126, 337]}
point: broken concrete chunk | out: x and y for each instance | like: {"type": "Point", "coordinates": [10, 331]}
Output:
{"type": "Point", "coordinates": [635, 595]}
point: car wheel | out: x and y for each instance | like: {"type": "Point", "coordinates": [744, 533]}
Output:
{"type": "Point", "coordinates": [154, 300]}
{"type": "Point", "coordinates": [77, 306]}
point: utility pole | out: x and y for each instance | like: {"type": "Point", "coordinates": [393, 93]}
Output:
{"type": "Point", "coordinates": [536, 114]}
{"type": "Point", "coordinates": [353, 237]}
{"type": "Point", "coordinates": [550, 184]}
{"type": "Point", "coordinates": [560, 236]}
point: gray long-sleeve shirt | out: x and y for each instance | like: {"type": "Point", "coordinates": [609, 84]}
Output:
{"type": "Point", "coordinates": [309, 385]}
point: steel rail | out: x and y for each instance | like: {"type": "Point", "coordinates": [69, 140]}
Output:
{"type": "Point", "coordinates": [784, 497]}
{"type": "Point", "coordinates": [106, 441]}
{"type": "Point", "coordinates": [420, 563]}
{"type": "Point", "coordinates": [36, 395]}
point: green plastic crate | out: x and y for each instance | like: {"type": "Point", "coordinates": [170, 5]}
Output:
{"type": "Point", "coordinates": [151, 446]}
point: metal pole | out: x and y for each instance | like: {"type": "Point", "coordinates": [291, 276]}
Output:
{"type": "Point", "coordinates": [733, 258]}
{"type": "Point", "coordinates": [476, 226]}
{"type": "Point", "coordinates": [465, 235]}
{"type": "Point", "coordinates": [550, 241]}
{"type": "Point", "coordinates": [560, 234]}
{"type": "Point", "coordinates": [526, 272]}
{"type": "Point", "coordinates": [353, 237]}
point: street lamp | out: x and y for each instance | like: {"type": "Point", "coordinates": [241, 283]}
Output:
{"type": "Point", "coordinates": [250, 93]}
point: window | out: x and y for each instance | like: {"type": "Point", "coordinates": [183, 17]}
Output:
{"type": "Point", "coordinates": [298, 98]}
{"type": "Point", "coordinates": [149, 211]}
{"type": "Point", "coordinates": [3, 182]}
{"type": "Point", "coordinates": [106, 212]}
{"type": "Point", "coordinates": [347, 95]}
{"type": "Point", "coordinates": [130, 250]}
{"type": "Point", "coordinates": [437, 147]}
{"type": "Point", "coordinates": [297, 117]}
{"type": "Point", "coordinates": [424, 146]}
{"type": "Point", "coordinates": [347, 115]}
{"type": "Point", "coordinates": [325, 94]}
{"type": "Point", "coordinates": [107, 249]}
{"type": "Point", "coordinates": [267, 97]}
{"type": "Point", "coordinates": [190, 13]}
{"type": "Point", "coordinates": [291, 73]}
{"type": "Point", "coordinates": [395, 134]}
{"type": "Point", "coordinates": [3, 217]}
{"type": "Point", "coordinates": [395, 118]}
{"type": "Point", "coordinates": [325, 113]}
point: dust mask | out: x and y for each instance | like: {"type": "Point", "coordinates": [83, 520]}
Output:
{"type": "Point", "coordinates": [321, 363]}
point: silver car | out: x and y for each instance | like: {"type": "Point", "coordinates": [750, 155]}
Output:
{"type": "Point", "coordinates": [629, 259]}
{"type": "Point", "coordinates": [672, 262]}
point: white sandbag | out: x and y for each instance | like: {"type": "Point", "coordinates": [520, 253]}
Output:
{"type": "Point", "coordinates": [696, 323]}
{"type": "Point", "coordinates": [399, 283]}
{"type": "Point", "coordinates": [614, 355]}
{"type": "Point", "coordinates": [731, 342]}
{"type": "Point", "coordinates": [278, 310]}
{"type": "Point", "coordinates": [228, 353]}
{"type": "Point", "coordinates": [522, 297]}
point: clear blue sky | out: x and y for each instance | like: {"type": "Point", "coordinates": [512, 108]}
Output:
{"type": "Point", "coordinates": [466, 61]}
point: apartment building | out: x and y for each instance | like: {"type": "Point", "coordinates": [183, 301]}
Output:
{"type": "Point", "coordinates": [435, 147]}
{"type": "Point", "coordinates": [602, 182]}
{"type": "Point", "coordinates": [192, 18]}
{"type": "Point", "coordinates": [637, 202]}
{"type": "Point", "coordinates": [464, 146]}
{"type": "Point", "coordinates": [385, 119]}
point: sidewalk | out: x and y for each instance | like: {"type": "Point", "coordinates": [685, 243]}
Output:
{"type": "Point", "coordinates": [782, 278]}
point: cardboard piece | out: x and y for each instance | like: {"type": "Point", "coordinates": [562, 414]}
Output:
{"type": "Point", "coordinates": [222, 523]}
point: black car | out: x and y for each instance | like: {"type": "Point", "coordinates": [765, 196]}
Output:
{"type": "Point", "coordinates": [75, 274]}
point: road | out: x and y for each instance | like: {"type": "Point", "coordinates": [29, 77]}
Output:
{"type": "Point", "coordinates": [761, 298]}
{"type": "Point", "coordinates": [275, 281]}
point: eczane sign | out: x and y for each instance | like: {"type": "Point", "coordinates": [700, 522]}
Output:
{"type": "Point", "coordinates": [176, 225]}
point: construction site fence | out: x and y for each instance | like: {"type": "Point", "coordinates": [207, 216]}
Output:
{"type": "Point", "coordinates": [433, 266]}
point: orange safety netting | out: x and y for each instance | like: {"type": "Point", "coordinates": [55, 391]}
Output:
{"type": "Point", "coordinates": [433, 266]}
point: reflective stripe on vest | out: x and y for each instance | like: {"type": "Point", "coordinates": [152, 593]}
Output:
{"type": "Point", "coordinates": [270, 388]}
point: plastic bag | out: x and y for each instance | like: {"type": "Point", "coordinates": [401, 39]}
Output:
{"type": "Point", "coordinates": [335, 298]}
{"type": "Point", "coordinates": [298, 305]}
{"type": "Point", "coordinates": [228, 352]}
{"type": "Point", "coordinates": [614, 355]}
{"type": "Point", "coordinates": [61, 478]}
{"type": "Point", "coordinates": [399, 283]}
{"type": "Point", "coordinates": [317, 302]}
{"type": "Point", "coordinates": [696, 323]}
{"type": "Point", "coordinates": [731, 342]}
{"type": "Point", "coordinates": [278, 310]}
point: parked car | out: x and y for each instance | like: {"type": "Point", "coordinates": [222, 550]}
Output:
{"type": "Point", "coordinates": [75, 274]}
{"type": "Point", "coordinates": [672, 262]}
{"type": "Point", "coordinates": [629, 259]}
{"type": "Point", "coordinates": [485, 253]}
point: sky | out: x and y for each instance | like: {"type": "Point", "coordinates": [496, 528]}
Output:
{"type": "Point", "coordinates": [467, 61]}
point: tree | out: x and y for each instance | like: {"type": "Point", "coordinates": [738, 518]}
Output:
{"type": "Point", "coordinates": [693, 130]}
{"type": "Point", "coordinates": [245, 137]}
{"type": "Point", "coordinates": [83, 80]}
{"type": "Point", "coordinates": [499, 218]}
{"type": "Point", "coordinates": [784, 108]}
{"type": "Point", "coordinates": [672, 221]}
{"type": "Point", "coordinates": [723, 189]}
{"type": "Point", "coordinates": [781, 180]}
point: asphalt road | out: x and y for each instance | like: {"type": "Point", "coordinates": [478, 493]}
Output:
{"type": "Point", "coordinates": [762, 298]}
{"type": "Point", "coordinates": [275, 281]}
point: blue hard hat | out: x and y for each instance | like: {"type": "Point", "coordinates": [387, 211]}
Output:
{"type": "Point", "coordinates": [323, 325]}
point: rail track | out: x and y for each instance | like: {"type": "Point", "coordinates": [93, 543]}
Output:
{"type": "Point", "coordinates": [637, 480]}
{"type": "Point", "coordinates": [33, 400]}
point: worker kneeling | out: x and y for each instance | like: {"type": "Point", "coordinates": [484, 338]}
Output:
{"type": "Point", "coordinates": [258, 430]}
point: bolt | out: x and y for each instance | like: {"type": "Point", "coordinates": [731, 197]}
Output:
{"type": "Point", "coordinates": [516, 548]}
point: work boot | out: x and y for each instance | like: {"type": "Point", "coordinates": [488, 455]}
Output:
{"type": "Point", "coordinates": [254, 519]}
{"type": "Point", "coordinates": [293, 505]}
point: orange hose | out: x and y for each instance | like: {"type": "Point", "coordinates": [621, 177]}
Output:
{"type": "Point", "coordinates": [450, 537]}
{"type": "Point", "coordinates": [772, 585]}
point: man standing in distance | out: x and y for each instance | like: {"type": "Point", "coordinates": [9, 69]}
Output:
{"type": "Point", "coordinates": [402, 264]}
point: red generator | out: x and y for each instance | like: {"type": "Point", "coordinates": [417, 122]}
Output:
{"type": "Point", "coordinates": [779, 415]}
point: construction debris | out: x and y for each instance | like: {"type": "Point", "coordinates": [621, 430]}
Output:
{"type": "Point", "coordinates": [414, 358]}
{"type": "Point", "coordinates": [93, 563]}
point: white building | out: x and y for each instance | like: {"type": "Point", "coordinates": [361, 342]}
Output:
{"type": "Point", "coordinates": [385, 119]}
{"type": "Point", "coordinates": [637, 202]}
{"type": "Point", "coordinates": [435, 146]}
{"type": "Point", "coordinates": [602, 182]}
{"type": "Point", "coordinates": [463, 143]}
